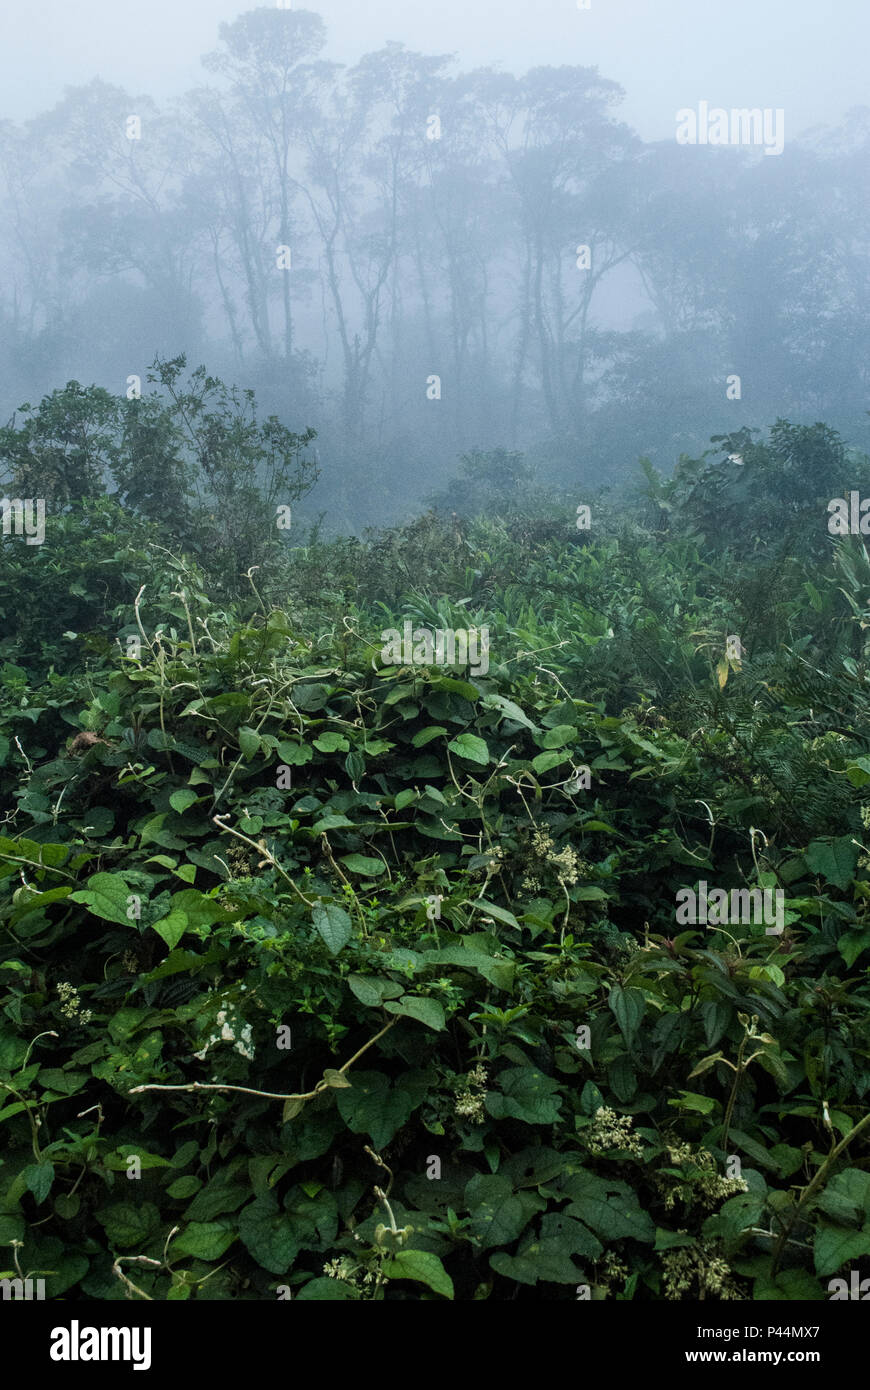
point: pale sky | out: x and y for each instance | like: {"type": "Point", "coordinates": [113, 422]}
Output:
{"type": "Point", "coordinates": [804, 56]}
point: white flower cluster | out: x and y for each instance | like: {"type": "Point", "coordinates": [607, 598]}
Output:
{"type": "Point", "coordinates": [230, 1031]}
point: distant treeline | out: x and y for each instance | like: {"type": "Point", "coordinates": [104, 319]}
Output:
{"type": "Point", "coordinates": [417, 264]}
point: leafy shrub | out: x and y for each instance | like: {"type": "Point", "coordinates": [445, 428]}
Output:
{"type": "Point", "coordinates": [358, 981]}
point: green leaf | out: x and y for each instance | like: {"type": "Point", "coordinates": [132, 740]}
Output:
{"type": "Point", "coordinates": [628, 1007]}
{"type": "Point", "coordinates": [249, 742]}
{"type": "Point", "coordinates": [498, 1215]}
{"type": "Point", "coordinates": [456, 687]}
{"type": "Point", "coordinates": [858, 772]}
{"type": "Point", "coordinates": [853, 944]}
{"type": "Point", "coordinates": [336, 1079]}
{"type": "Point", "coordinates": [548, 1257]}
{"type": "Point", "coordinates": [326, 1290]}
{"type": "Point", "coordinates": [331, 742]}
{"type": "Point", "coordinates": [105, 896]}
{"type": "Point", "coordinates": [377, 1107]}
{"type": "Point", "coordinates": [333, 925]}
{"type": "Point", "coordinates": [691, 1100]}
{"type": "Point", "coordinates": [171, 928]}
{"type": "Point", "coordinates": [509, 710]}
{"type": "Point", "coordinates": [295, 754]}
{"type": "Point", "coordinates": [672, 1240]}
{"type": "Point", "coordinates": [363, 864]}
{"type": "Point", "coordinates": [180, 800]}
{"type": "Point", "coordinates": [424, 1267]}
{"type": "Point", "coordinates": [67, 1269]}
{"type": "Point", "coordinates": [39, 1178]}
{"type": "Point", "coordinates": [372, 990]}
{"type": "Point", "coordinates": [834, 860]}
{"type": "Point", "coordinates": [835, 1246]}
{"type": "Point", "coordinates": [365, 990]}
{"type": "Point", "coordinates": [184, 1187]}
{"type": "Point", "coordinates": [267, 1234]}
{"type": "Point", "coordinates": [559, 736]}
{"type": "Point", "coordinates": [500, 914]}
{"type": "Point", "coordinates": [425, 1010]}
{"type": "Point", "coordinates": [847, 1196]}
{"type": "Point", "coordinates": [424, 736]}
{"type": "Point", "coordinates": [609, 1208]}
{"type": "Point", "coordinates": [525, 1094]}
{"type": "Point", "coordinates": [215, 1199]}
{"type": "Point", "coordinates": [68, 1083]}
{"type": "Point", "coordinates": [203, 1240]}
{"type": "Point", "coordinates": [129, 1224]}
{"type": "Point", "coordinates": [471, 747]}
{"type": "Point", "coordinates": [705, 1064]}
{"type": "Point", "coordinates": [332, 823]}
{"type": "Point", "coordinates": [355, 765]}
{"type": "Point", "coordinates": [588, 893]}
{"type": "Point", "coordinates": [544, 762]}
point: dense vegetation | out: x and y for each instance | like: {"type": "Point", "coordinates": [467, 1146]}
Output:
{"type": "Point", "coordinates": [363, 981]}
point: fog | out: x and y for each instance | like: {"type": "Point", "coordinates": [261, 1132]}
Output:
{"type": "Point", "coordinates": [435, 667]}
{"type": "Point", "coordinates": [425, 230]}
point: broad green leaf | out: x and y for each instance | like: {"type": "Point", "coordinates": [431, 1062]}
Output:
{"type": "Point", "coordinates": [628, 1007]}
{"type": "Point", "coordinates": [558, 737]}
{"type": "Point", "coordinates": [203, 1240]}
{"type": "Point", "coordinates": [295, 754]}
{"type": "Point", "coordinates": [509, 710]}
{"type": "Point", "coordinates": [372, 990]}
{"type": "Point", "coordinates": [847, 1196]}
{"type": "Point", "coordinates": [422, 1266]}
{"type": "Point", "coordinates": [333, 925]}
{"type": "Point", "coordinates": [609, 1208]}
{"type": "Point", "coordinates": [378, 1107]}
{"type": "Point", "coordinates": [326, 1290]}
{"type": "Point", "coordinates": [835, 1246]}
{"type": "Point", "coordinates": [424, 736]}
{"type": "Point", "coordinates": [249, 742]}
{"type": "Point", "coordinates": [184, 1187]}
{"type": "Point", "coordinates": [544, 762]}
{"type": "Point", "coordinates": [471, 747]}
{"type": "Point", "coordinates": [525, 1094]}
{"type": "Point", "coordinates": [500, 914]}
{"type": "Point", "coordinates": [834, 860]}
{"type": "Point", "coordinates": [39, 1178]}
{"type": "Point", "coordinates": [129, 1224]}
{"type": "Point", "coordinates": [106, 897]}
{"type": "Point", "coordinates": [268, 1234]}
{"type": "Point", "coordinates": [858, 772]}
{"type": "Point", "coordinates": [171, 928]}
{"type": "Point", "coordinates": [498, 1215]}
{"type": "Point", "coordinates": [363, 864]}
{"type": "Point", "coordinates": [428, 1011]}
{"type": "Point", "coordinates": [332, 742]}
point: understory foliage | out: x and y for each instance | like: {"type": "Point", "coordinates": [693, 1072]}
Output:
{"type": "Point", "coordinates": [362, 981]}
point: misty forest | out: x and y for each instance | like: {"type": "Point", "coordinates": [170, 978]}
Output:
{"type": "Point", "coordinates": [434, 689]}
